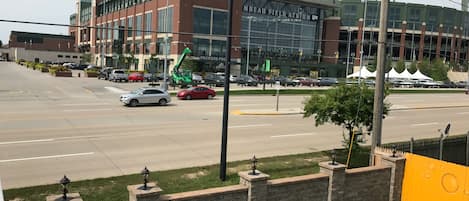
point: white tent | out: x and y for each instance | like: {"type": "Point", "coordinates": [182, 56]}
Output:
{"type": "Point", "coordinates": [363, 73]}
{"type": "Point", "coordinates": [420, 76]}
{"type": "Point", "coordinates": [405, 74]}
{"type": "Point", "coordinates": [392, 74]}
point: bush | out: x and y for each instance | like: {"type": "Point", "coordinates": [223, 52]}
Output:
{"type": "Point", "coordinates": [54, 69]}
{"type": "Point", "coordinates": [39, 66]}
{"type": "Point", "coordinates": [92, 70]}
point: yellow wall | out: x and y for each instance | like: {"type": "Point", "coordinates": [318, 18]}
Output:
{"type": "Point", "coordinates": [427, 179]}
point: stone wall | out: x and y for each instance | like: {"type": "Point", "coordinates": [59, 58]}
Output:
{"type": "Point", "coordinates": [382, 182]}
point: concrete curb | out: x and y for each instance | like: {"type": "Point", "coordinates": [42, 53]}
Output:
{"type": "Point", "coordinates": [429, 107]}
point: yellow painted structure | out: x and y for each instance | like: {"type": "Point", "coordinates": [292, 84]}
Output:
{"type": "Point", "coordinates": [427, 179]}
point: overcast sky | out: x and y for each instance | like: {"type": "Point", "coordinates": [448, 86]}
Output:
{"type": "Point", "coordinates": [59, 11]}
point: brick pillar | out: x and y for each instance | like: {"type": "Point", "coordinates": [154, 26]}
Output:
{"type": "Point", "coordinates": [438, 41]}
{"type": "Point", "coordinates": [70, 197]}
{"type": "Point", "coordinates": [402, 43]}
{"type": "Point", "coordinates": [137, 193]}
{"type": "Point", "coordinates": [453, 44]}
{"type": "Point", "coordinates": [336, 180]}
{"type": "Point", "coordinates": [331, 39]}
{"type": "Point", "coordinates": [257, 185]}
{"type": "Point", "coordinates": [459, 44]}
{"type": "Point", "coordinates": [423, 28]}
{"type": "Point", "coordinates": [359, 42]}
{"type": "Point", "coordinates": [397, 175]}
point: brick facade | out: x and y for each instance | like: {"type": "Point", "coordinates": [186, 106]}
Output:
{"type": "Point", "coordinates": [45, 42]}
{"type": "Point", "coordinates": [331, 40]}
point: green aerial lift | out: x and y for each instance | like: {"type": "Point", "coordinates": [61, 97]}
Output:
{"type": "Point", "coordinates": [180, 76]}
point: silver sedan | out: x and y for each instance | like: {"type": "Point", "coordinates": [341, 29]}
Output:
{"type": "Point", "coordinates": [143, 96]}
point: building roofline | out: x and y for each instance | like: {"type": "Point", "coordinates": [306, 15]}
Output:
{"type": "Point", "coordinates": [44, 35]}
{"type": "Point", "coordinates": [320, 3]}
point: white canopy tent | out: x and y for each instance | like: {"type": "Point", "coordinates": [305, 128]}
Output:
{"type": "Point", "coordinates": [363, 73]}
{"type": "Point", "coordinates": [392, 74]}
{"type": "Point", "coordinates": [405, 75]}
{"type": "Point", "coordinates": [420, 76]}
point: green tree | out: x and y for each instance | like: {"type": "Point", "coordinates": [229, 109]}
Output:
{"type": "Point", "coordinates": [439, 71]}
{"type": "Point", "coordinates": [413, 67]}
{"type": "Point", "coordinates": [388, 65]}
{"type": "Point", "coordinates": [372, 67]}
{"type": "Point", "coordinates": [400, 66]}
{"type": "Point", "coordinates": [190, 64]}
{"type": "Point", "coordinates": [424, 67]}
{"type": "Point", "coordinates": [350, 106]}
{"type": "Point", "coordinates": [86, 58]}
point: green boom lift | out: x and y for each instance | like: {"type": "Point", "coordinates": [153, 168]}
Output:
{"type": "Point", "coordinates": [180, 76]}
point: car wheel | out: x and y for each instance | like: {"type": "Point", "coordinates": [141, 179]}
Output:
{"type": "Point", "coordinates": [163, 101]}
{"type": "Point", "coordinates": [133, 103]}
{"type": "Point", "coordinates": [188, 97]}
{"type": "Point", "coordinates": [209, 96]}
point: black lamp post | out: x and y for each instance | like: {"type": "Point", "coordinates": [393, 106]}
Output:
{"type": "Point", "coordinates": [64, 182]}
{"type": "Point", "coordinates": [145, 173]}
{"type": "Point", "coordinates": [253, 165]}
{"type": "Point", "coordinates": [333, 156]}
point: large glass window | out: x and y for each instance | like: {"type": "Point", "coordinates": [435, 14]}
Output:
{"type": "Point", "coordinates": [201, 46]}
{"type": "Point", "coordinates": [116, 30]}
{"type": "Point", "coordinates": [165, 20]}
{"type": "Point", "coordinates": [130, 26]}
{"type": "Point", "coordinates": [148, 23]}
{"type": "Point", "coordinates": [219, 22]}
{"type": "Point", "coordinates": [138, 26]}
{"type": "Point", "coordinates": [218, 48]}
{"type": "Point", "coordinates": [109, 30]}
{"type": "Point", "coordinates": [201, 21]}
{"type": "Point", "coordinates": [161, 45]}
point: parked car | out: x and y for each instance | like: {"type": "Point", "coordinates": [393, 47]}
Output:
{"type": "Point", "coordinates": [144, 95]}
{"type": "Point", "coordinates": [196, 93]}
{"type": "Point", "coordinates": [461, 84]}
{"type": "Point", "coordinates": [135, 77]}
{"type": "Point", "coordinates": [309, 82]}
{"type": "Point", "coordinates": [327, 81]}
{"type": "Point", "coordinates": [104, 73]}
{"type": "Point", "coordinates": [118, 75]}
{"type": "Point", "coordinates": [196, 78]}
{"type": "Point", "coordinates": [247, 80]}
{"type": "Point", "coordinates": [215, 79]}
{"type": "Point", "coordinates": [285, 81]}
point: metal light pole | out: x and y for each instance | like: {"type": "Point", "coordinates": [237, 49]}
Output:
{"type": "Point", "coordinates": [226, 97]}
{"type": "Point", "coordinates": [363, 39]}
{"type": "Point", "coordinates": [165, 78]}
{"type": "Point", "coordinates": [348, 51]}
{"type": "Point", "coordinates": [102, 35]}
{"type": "Point", "coordinates": [249, 43]}
{"type": "Point", "coordinates": [319, 55]}
{"type": "Point", "coordinates": [379, 90]}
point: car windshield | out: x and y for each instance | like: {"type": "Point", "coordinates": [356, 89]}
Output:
{"type": "Point", "coordinates": [136, 91]}
{"type": "Point", "coordinates": [119, 72]}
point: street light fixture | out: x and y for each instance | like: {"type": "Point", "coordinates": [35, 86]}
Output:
{"type": "Point", "coordinates": [145, 173]}
{"type": "Point", "coordinates": [64, 182]}
{"type": "Point", "coordinates": [253, 166]}
{"type": "Point", "coordinates": [319, 55]}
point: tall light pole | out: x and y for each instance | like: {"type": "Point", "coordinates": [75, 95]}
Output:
{"type": "Point", "coordinates": [378, 105]}
{"type": "Point", "coordinates": [348, 51]}
{"type": "Point", "coordinates": [363, 39]}
{"type": "Point", "coordinates": [165, 78]}
{"type": "Point", "coordinates": [249, 43]}
{"type": "Point", "coordinates": [102, 33]}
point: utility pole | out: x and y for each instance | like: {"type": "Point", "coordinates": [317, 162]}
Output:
{"type": "Point", "coordinates": [226, 96]}
{"type": "Point", "coordinates": [379, 89]}
{"type": "Point", "coordinates": [348, 51]}
{"type": "Point", "coordinates": [166, 28]}
{"type": "Point", "coordinates": [249, 43]}
{"type": "Point", "coordinates": [362, 42]}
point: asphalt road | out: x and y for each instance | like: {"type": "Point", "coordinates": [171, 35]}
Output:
{"type": "Point", "coordinates": [77, 126]}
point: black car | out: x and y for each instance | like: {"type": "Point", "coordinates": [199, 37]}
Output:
{"type": "Point", "coordinates": [246, 80]}
{"type": "Point", "coordinates": [327, 81]}
{"type": "Point", "coordinates": [213, 79]}
{"type": "Point", "coordinates": [285, 81]}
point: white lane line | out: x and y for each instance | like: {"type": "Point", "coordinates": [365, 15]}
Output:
{"type": "Point", "coordinates": [116, 90]}
{"type": "Point", "coordinates": [249, 126]}
{"type": "Point", "coordinates": [46, 157]}
{"type": "Point", "coordinates": [26, 141]}
{"type": "Point", "coordinates": [425, 124]}
{"type": "Point", "coordinates": [88, 110]}
{"type": "Point", "coordinates": [462, 113]}
{"type": "Point", "coordinates": [85, 104]}
{"type": "Point", "coordinates": [293, 135]}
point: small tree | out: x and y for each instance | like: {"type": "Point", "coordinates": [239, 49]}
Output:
{"type": "Point", "coordinates": [400, 66]}
{"type": "Point", "coordinates": [413, 67]}
{"type": "Point", "coordinates": [350, 106]}
{"type": "Point", "coordinates": [190, 64]}
{"type": "Point", "coordinates": [439, 71]}
{"type": "Point", "coordinates": [86, 58]}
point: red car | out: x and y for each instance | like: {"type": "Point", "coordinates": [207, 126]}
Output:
{"type": "Point", "coordinates": [135, 77]}
{"type": "Point", "coordinates": [196, 93]}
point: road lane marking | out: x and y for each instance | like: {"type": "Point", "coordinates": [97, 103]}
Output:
{"type": "Point", "coordinates": [425, 124]}
{"type": "Point", "coordinates": [85, 104]}
{"type": "Point", "coordinates": [26, 141]}
{"type": "Point", "coordinates": [462, 113]}
{"type": "Point", "coordinates": [249, 126]}
{"type": "Point", "coordinates": [116, 90]}
{"type": "Point", "coordinates": [46, 157]}
{"type": "Point", "coordinates": [88, 110]}
{"type": "Point", "coordinates": [293, 135]}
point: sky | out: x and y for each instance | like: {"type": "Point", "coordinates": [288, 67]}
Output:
{"type": "Point", "coordinates": [59, 11]}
